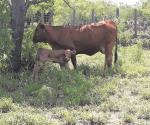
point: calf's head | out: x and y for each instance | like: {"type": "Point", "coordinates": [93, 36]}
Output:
{"type": "Point", "coordinates": [62, 56]}
{"type": "Point", "coordinates": [40, 34]}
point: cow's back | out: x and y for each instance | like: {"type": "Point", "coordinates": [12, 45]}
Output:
{"type": "Point", "coordinates": [90, 38]}
{"type": "Point", "coordinates": [86, 39]}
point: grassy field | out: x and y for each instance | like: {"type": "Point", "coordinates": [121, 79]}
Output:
{"type": "Point", "coordinates": [87, 96]}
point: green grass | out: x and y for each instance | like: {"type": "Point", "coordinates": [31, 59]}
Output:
{"type": "Point", "coordinates": [32, 87]}
{"type": "Point", "coordinates": [88, 95]}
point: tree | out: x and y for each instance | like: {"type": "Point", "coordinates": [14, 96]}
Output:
{"type": "Point", "coordinates": [18, 10]}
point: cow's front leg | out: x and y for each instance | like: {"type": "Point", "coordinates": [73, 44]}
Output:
{"type": "Point", "coordinates": [74, 61]}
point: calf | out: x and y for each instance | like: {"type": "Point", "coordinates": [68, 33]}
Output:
{"type": "Point", "coordinates": [55, 56]}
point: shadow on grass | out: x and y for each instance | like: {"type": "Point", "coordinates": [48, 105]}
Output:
{"type": "Point", "coordinates": [99, 71]}
{"type": "Point", "coordinates": [54, 87]}
{"type": "Point", "coordinates": [59, 87]}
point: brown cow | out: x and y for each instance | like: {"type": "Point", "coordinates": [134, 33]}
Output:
{"type": "Point", "coordinates": [56, 56]}
{"type": "Point", "coordinates": [87, 39]}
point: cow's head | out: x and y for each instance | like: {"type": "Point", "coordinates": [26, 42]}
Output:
{"type": "Point", "coordinates": [40, 34]}
{"type": "Point", "coordinates": [63, 57]}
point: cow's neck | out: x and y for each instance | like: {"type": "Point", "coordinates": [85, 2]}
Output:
{"type": "Point", "coordinates": [52, 34]}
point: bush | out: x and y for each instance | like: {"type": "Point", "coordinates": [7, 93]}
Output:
{"type": "Point", "coordinates": [125, 38]}
{"type": "Point", "coordinates": [138, 52]}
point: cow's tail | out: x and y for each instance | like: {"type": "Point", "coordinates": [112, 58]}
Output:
{"type": "Point", "coordinates": [116, 48]}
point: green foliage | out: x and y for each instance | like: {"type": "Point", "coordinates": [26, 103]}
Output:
{"type": "Point", "coordinates": [145, 12]}
{"type": "Point", "coordinates": [42, 7]}
{"type": "Point", "coordinates": [62, 13]}
{"type": "Point", "coordinates": [126, 12]}
{"type": "Point", "coordinates": [28, 49]}
{"type": "Point", "coordinates": [83, 11]}
{"type": "Point", "coordinates": [5, 31]}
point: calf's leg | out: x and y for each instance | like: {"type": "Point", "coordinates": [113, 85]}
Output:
{"type": "Point", "coordinates": [65, 65]}
{"type": "Point", "coordinates": [36, 69]}
{"type": "Point", "coordinates": [74, 61]}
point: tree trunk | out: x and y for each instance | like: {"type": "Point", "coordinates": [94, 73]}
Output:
{"type": "Point", "coordinates": [74, 17]}
{"type": "Point", "coordinates": [17, 25]}
{"type": "Point", "coordinates": [93, 16]}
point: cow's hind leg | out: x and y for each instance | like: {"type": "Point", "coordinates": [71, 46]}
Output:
{"type": "Point", "coordinates": [108, 57]}
{"type": "Point", "coordinates": [74, 61]}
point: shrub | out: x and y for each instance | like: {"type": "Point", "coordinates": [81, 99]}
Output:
{"type": "Point", "coordinates": [5, 105]}
{"type": "Point", "coordinates": [138, 52]}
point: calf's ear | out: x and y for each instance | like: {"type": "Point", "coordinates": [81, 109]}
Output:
{"type": "Point", "coordinates": [73, 52]}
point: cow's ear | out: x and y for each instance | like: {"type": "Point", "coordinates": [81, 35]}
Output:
{"type": "Point", "coordinates": [41, 25]}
